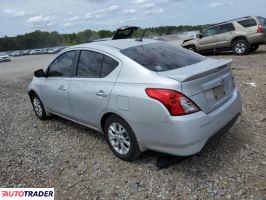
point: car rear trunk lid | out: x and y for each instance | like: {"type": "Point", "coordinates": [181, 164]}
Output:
{"type": "Point", "coordinates": [208, 83]}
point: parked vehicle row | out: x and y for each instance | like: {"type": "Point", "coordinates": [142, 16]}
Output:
{"type": "Point", "coordinates": [53, 50]}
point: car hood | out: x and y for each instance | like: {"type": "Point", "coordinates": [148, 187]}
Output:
{"type": "Point", "coordinates": [190, 40]}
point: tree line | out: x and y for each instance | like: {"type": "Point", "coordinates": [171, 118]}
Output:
{"type": "Point", "coordinates": [40, 39]}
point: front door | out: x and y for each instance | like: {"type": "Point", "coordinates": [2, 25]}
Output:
{"type": "Point", "coordinates": [57, 84]}
{"type": "Point", "coordinates": [208, 40]}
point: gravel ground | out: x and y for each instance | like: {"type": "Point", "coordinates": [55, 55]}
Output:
{"type": "Point", "coordinates": [76, 161]}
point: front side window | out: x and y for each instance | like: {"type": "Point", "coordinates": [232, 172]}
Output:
{"type": "Point", "coordinates": [90, 64]}
{"type": "Point", "coordinates": [62, 65]}
{"type": "Point", "coordinates": [161, 56]}
{"type": "Point", "coordinates": [248, 23]}
{"type": "Point", "coordinates": [210, 32]}
{"type": "Point", "coordinates": [262, 21]}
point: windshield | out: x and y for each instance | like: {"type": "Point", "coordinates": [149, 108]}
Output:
{"type": "Point", "coordinates": [161, 56]}
{"type": "Point", "coordinates": [2, 54]}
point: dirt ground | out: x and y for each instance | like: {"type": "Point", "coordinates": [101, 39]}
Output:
{"type": "Point", "coordinates": [76, 161]}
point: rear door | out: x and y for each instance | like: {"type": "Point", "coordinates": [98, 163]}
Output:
{"type": "Point", "coordinates": [57, 84]}
{"type": "Point", "coordinates": [225, 34]}
{"type": "Point", "coordinates": [208, 40]}
{"type": "Point", "coordinates": [90, 90]}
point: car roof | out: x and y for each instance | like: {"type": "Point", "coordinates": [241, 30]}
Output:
{"type": "Point", "coordinates": [232, 20]}
{"type": "Point", "coordinates": [116, 44]}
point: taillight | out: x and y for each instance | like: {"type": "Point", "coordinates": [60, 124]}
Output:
{"type": "Point", "coordinates": [260, 29]}
{"type": "Point", "coordinates": [175, 102]}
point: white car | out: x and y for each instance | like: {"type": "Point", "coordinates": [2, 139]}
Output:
{"type": "Point", "coordinates": [4, 57]}
{"type": "Point", "coordinates": [15, 53]}
{"type": "Point", "coordinates": [35, 52]}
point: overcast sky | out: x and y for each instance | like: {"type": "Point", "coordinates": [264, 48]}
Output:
{"type": "Point", "coordinates": [68, 16]}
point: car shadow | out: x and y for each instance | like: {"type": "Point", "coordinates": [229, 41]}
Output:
{"type": "Point", "coordinates": [76, 126]}
{"type": "Point", "coordinates": [226, 53]}
{"type": "Point", "coordinates": [212, 157]}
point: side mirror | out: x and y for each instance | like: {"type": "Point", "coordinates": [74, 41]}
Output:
{"type": "Point", "coordinates": [199, 35]}
{"type": "Point", "coordinates": [39, 73]}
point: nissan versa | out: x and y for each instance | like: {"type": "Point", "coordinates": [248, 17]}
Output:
{"type": "Point", "coordinates": [142, 94]}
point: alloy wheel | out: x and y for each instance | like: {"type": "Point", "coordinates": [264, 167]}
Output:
{"type": "Point", "coordinates": [37, 106]}
{"type": "Point", "coordinates": [119, 138]}
{"type": "Point", "coordinates": [240, 48]}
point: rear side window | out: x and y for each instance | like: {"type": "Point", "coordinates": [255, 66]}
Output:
{"type": "Point", "coordinates": [108, 66]}
{"type": "Point", "coordinates": [248, 23]}
{"type": "Point", "coordinates": [62, 66]}
{"type": "Point", "coordinates": [262, 21]}
{"type": "Point", "coordinates": [226, 28]}
{"type": "Point", "coordinates": [89, 64]}
{"type": "Point", "coordinates": [160, 56]}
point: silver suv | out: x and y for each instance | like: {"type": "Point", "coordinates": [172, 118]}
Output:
{"type": "Point", "coordinates": [241, 35]}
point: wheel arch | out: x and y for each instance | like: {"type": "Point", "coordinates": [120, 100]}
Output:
{"type": "Point", "coordinates": [190, 45]}
{"type": "Point", "coordinates": [106, 115]}
{"type": "Point", "coordinates": [239, 38]}
{"type": "Point", "coordinates": [31, 92]}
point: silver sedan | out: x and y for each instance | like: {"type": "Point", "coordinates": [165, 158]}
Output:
{"type": "Point", "coordinates": [143, 95]}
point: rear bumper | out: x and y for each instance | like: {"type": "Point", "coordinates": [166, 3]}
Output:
{"type": "Point", "coordinates": [258, 38]}
{"type": "Point", "coordinates": [187, 135]}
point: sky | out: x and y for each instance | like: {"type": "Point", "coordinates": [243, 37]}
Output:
{"type": "Point", "coordinates": [68, 16]}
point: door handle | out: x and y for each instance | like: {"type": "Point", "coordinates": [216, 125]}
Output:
{"type": "Point", "coordinates": [62, 88]}
{"type": "Point", "coordinates": [101, 93]}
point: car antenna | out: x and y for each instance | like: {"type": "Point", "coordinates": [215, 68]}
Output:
{"type": "Point", "coordinates": [140, 39]}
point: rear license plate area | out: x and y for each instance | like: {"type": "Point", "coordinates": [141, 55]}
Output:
{"type": "Point", "coordinates": [218, 92]}
{"type": "Point", "coordinates": [215, 94]}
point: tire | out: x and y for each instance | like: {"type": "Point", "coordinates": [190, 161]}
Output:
{"type": "Point", "coordinates": [240, 47]}
{"type": "Point", "coordinates": [191, 48]}
{"type": "Point", "coordinates": [121, 138]}
{"type": "Point", "coordinates": [38, 107]}
{"type": "Point", "coordinates": [254, 47]}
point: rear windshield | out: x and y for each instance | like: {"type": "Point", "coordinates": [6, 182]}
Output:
{"type": "Point", "coordinates": [160, 56]}
{"type": "Point", "coordinates": [248, 22]}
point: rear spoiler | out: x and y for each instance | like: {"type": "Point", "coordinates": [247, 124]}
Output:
{"type": "Point", "coordinates": [197, 70]}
